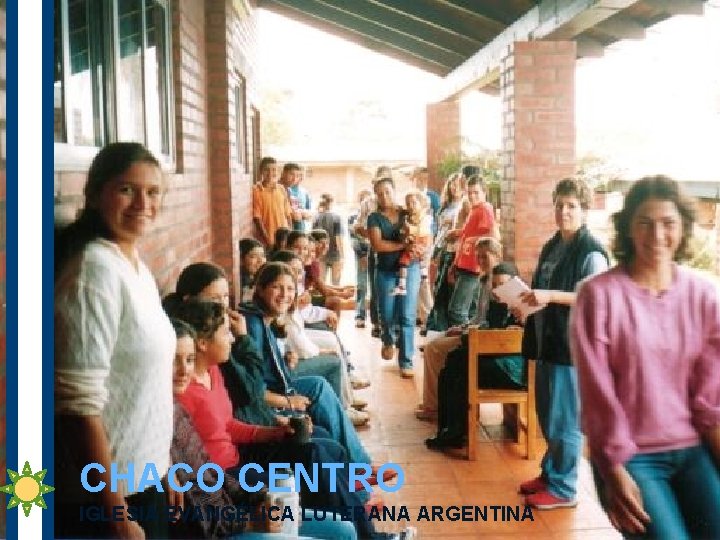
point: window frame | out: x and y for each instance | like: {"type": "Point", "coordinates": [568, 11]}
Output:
{"type": "Point", "coordinates": [241, 135]}
{"type": "Point", "coordinates": [72, 157]}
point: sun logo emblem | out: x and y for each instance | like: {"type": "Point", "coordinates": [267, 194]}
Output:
{"type": "Point", "coordinates": [26, 489]}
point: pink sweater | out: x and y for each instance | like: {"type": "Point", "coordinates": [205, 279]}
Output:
{"type": "Point", "coordinates": [648, 367]}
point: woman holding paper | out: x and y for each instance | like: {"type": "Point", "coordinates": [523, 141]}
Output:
{"type": "Point", "coordinates": [649, 375]}
{"type": "Point", "coordinates": [571, 255]}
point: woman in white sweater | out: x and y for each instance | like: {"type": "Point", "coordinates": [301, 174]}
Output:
{"type": "Point", "coordinates": [114, 347]}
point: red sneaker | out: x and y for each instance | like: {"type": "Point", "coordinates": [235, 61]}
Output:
{"type": "Point", "coordinates": [533, 486]}
{"type": "Point", "coordinates": [544, 500]}
{"type": "Point", "coordinates": [388, 474]}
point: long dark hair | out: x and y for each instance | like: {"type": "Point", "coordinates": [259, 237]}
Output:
{"type": "Point", "coordinates": [112, 161]}
{"type": "Point", "coordinates": [195, 277]}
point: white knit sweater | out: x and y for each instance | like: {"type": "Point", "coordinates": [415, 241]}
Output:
{"type": "Point", "coordinates": [114, 349]}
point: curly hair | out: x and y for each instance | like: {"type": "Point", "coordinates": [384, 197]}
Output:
{"type": "Point", "coordinates": [658, 187]}
{"type": "Point", "coordinates": [574, 187]}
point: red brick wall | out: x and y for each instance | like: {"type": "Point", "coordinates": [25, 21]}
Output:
{"type": "Point", "coordinates": [443, 137]}
{"type": "Point", "coordinates": [231, 35]}
{"type": "Point", "coordinates": [538, 96]}
{"type": "Point", "coordinates": [206, 207]}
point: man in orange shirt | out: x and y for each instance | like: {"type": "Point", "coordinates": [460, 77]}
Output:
{"type": "Point", "coordinates": [271, 206]}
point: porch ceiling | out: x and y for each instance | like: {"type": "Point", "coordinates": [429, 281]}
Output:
{"type": "Point", "coordinates": [440, 36]}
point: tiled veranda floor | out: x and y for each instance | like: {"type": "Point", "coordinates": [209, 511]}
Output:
{"type": "Point", "coordinates": [438, 479]}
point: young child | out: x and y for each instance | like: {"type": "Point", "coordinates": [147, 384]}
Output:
{"type": "Point", "coordinates": [417, 228]}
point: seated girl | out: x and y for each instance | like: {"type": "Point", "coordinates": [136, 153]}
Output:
{"type": "Point", "coordinates": [187, 447]}
{"type": "Point", "coordinates": [230, 442]}
{"type": "Point", "coordinates": [252, 257]}
{"type": "Point", "coordinates": [312, 347]}
{"type": "Point", "coordinates": [416, 229]}
{"type": "Point", "coordinates": [329, 296]}
{"type": "Point", "coordinates": [275, 293]}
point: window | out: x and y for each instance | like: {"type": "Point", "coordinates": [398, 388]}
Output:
{"type": "Point", "coordinates": [241, 125]}
{"type": "Point", "coordinates": [112, 73]}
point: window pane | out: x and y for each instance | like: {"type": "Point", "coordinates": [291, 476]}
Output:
{"type": "Point", "coordinates": [240, 127]}
{"type": "Point", "coordinates": [80, 110]}
{"type": "Point", "coordinates": [59, 113]}
{"type": "Point", "coordinates": [128, 74]}
{"type": "Point", "coordinates": [156, 78]}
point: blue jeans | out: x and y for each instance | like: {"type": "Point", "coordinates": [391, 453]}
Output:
{"type": "Point", "coordinates": [327, 411]}
{"type": "Point", "coordinates": [374, 305]}
{"type": "Point", "coordinates": [398, 311]}
{"type": "Point", "coordinates": [464, 292]}
{"type": "Point", "coordinates": [558, 410]}
{"type": "Point", "coordinates": [680, 491]}
{"type": "Point", "coordinates": [361, 278]}
{"type": "Point", "coordinates": [327, 366]}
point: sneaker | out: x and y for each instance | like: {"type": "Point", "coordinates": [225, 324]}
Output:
{"type": "Point", "coordinates": [359, 323]}
{"type": "Point", "coordinates": [407, 373]}
{"type": "Point", "coordinates": [533, 486]}
{"type": "Point", "coordinates": [544, 500]}
{"type": "Point", "coordinates": [358, 418]}
{"type": "Point", "coordinates": [358, 383]}
{"type": "Point", "coordinates": [375, 332]}
{"type": "Point", "coordinates": [388, 474]}
{"type": "Point", "coordinates": [398, 291]}
{"type": "Point", "coordinates": [358, 404]}
{"type": "Point", "coordinates": [387, 352]}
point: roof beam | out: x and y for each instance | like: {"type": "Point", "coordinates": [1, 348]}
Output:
{"type": "Point", "coordinates": [484, 10]}
{"type": "Point", "coordinates": [679, 7]}
{"type": "Point", "coordinates": [377, 12]}
{"type": "Point", "coordinates": [550, 20]}
{"type": "Point", "coordinates": [354, 36]}
{"type": "Point", "coordinates": [449, 17]}
{"type": "Point", "coordinates": [374, 30]}
{"type": "Point", "coordinates": [589, 48]}
{"type": "Point", "coordinates": [621, 27]}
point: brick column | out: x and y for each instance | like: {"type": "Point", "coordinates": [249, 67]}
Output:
{"type": "Point", "coordinates": [538, 95]}
{"type": "Point", "coordinates": [443, 137]}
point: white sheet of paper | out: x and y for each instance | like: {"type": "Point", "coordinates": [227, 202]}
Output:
{"type": "Point", "coordinates": [509, 293]}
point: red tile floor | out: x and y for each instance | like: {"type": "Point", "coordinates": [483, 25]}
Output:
{"type": "Point", "coordinates": [433, 478]}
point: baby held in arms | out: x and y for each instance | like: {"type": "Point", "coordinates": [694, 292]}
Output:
{"type": "Point", "coordinates": [416, 230]}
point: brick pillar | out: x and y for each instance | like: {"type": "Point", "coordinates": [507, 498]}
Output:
{"type": "Point", "coordinates": [443, 137]}
{"type": "Point", "coordinates": [538, 96]}
{"type": "Point", "coordinates": [224, 218]}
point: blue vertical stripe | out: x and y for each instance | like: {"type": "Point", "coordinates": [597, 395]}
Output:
{"type": "Point", "coordinates": [48, 213]}
{"type": "Point", "coordinates": [11, 229]}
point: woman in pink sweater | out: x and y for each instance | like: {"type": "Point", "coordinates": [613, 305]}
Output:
{"type": "Point", "coordinates": [646, 338]}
